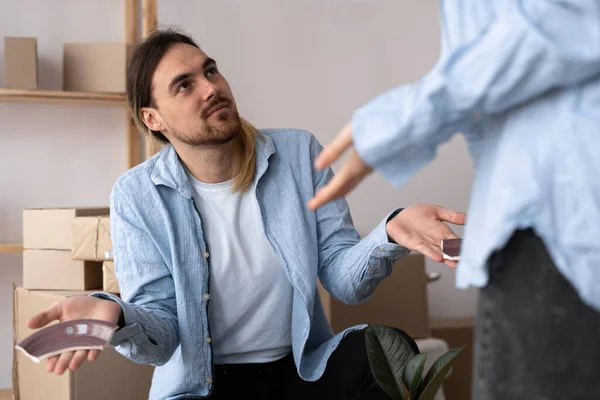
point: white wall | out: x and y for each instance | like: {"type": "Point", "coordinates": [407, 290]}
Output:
{"type": "Point", "coordinates": [296, 64]}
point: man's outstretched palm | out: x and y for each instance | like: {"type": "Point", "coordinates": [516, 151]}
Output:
{"type": "Point", "coordinates": [422, 227]}
{"type": "Point", "coordinates": [72, 308]}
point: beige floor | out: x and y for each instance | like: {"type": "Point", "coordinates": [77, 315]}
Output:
{"type": "Point", "coordinates": [5, 394]}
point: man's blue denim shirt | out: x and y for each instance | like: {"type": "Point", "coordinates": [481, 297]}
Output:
{"type": "Point", "coordinates": [162, 261]}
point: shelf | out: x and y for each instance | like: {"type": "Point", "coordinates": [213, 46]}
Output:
{"type": "Point", "coordinates": [11, 247]}
{"type": "Point", "coordinates": [62, 97]}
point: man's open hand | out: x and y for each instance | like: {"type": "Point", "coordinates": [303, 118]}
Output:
{"type": "Point", "coordinates": [422, 227]}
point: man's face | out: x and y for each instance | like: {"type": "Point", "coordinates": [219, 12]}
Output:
{"type": "Point", "coordinates": [193, 101]}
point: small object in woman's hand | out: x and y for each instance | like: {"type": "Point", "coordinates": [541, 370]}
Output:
{"type": "Point", "coordinates": [451, 249]}
{"type": "Point", "coordinates": [81, 334]}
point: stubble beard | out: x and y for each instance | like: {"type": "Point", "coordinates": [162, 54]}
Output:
{"type": "Point", "coordinates": [226, 128]}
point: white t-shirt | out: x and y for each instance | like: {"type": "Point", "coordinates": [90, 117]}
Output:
{"type": "Point", "coordinates": [250, 306]}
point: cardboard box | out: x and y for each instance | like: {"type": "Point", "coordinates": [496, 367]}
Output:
{"type": "Point", "coordinates": [457, 333]}
{"type": "Point", "coordinates": [56, 270]}
{"type": "Point", "coordinates": [96, 67]}
{"type": "Point", "coordinates": [50, 228]}
{"type": "Point", "coordinates": [20, 63]}
{"type": "Point", "coordinates": [91, 238]}
{"type": "Point", "coordinates": [399, 301]}
{"type": "Point", "coordinates": [110, 283]}
{"type": "Point", "coordinates": [111, 376]}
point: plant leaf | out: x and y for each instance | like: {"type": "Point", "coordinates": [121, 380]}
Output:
{"type": "Point", "coordinates": [413, 345]}
{"type": "Point", "coordinates": [437, 373]}
{"type": "Point", "coordinates": [413, 374]}
{"type": "Point", "coordinates": [384, 376]}
{"type": "Point", "coordinates": [388, 350]}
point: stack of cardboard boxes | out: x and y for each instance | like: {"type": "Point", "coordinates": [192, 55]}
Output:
{"type": "Point", "coordinates": [65, 248]}
{"type": "Point", "coordinates": [68, 252]}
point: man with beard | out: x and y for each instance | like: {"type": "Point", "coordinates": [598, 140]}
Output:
{"type": "Point", "coordinates": [218, 217]}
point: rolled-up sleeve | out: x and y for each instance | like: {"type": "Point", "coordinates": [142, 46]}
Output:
{"type": "Point", "coordinates": [151, 334]}
{"type": "Point", "coordinates": [350, 268]}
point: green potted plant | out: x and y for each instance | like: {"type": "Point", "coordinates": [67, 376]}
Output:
{"type": "Point", "coordinates": [398, 366]}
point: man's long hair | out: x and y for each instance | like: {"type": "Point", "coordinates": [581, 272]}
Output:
{"type": "Point", "coordinates": [144, 61]}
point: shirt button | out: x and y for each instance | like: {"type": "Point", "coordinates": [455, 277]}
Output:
{"type": "Point", "coordinates": [380, 249]}
{"type": "Point", "coordinates": [206, 296]}
{"type": "Point", "coordinates": [209, 380]}
{"type": "Point", "coordinates": [208, 340]}
{"type": "Point", "coordinates": [478, 116]}
{"type": "Point", "coordinates": [205, 255]}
